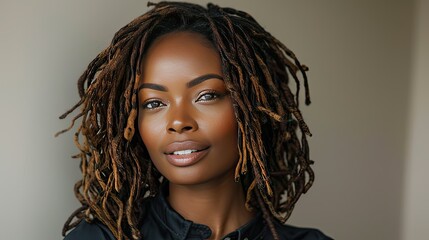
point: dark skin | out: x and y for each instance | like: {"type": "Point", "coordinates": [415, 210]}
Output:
{"type": "Point", "coordinates": [187, 122]}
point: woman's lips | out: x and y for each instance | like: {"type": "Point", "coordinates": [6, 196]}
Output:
{"type": "Point", "coordinates": [186, 159]}
{"type": "Point", "coordinates": [186, 153]}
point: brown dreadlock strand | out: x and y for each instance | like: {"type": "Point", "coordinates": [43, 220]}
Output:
{"type": "Point", "coordinates": [118, 175]}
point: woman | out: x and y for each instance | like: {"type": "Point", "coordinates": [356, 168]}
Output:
{"type": "Point", "coordinates": [189, 131]}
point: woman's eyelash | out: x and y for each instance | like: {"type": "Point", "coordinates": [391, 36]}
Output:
{"type": "Point", "coordinates": [152, 104]}
{"type": "Point", "coordinates": [209, 96]}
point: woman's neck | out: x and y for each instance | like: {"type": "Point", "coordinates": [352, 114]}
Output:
{"type": "Point", "coordinates": [218, 204]}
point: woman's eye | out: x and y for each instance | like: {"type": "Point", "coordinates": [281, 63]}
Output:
{"type": "Point", "coordinates": [208, 97]}
{"type": "Point", "coordinates": [153, 104]}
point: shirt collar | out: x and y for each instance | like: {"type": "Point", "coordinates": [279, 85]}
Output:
{"type": "Point", "coordinates": [184, 229]}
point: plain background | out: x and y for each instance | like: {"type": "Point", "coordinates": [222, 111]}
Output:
{"type": "Point", "coordinates": [368, 60]}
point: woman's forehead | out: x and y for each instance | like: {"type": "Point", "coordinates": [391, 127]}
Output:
{"type": "Point", "coordinates": [180, 54]}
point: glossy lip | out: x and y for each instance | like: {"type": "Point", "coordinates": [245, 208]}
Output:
{"type": "Point", "coordinates": [186, 159]}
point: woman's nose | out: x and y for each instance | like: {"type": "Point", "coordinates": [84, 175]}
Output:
{"type": "Point", "coordinates": [180, 120]}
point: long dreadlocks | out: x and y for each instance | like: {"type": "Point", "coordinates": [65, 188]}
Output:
{"type": "Point", "coordinates": [274, 162]}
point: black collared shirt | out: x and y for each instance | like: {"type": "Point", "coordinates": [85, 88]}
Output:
{"type": "Point", "coordinates": [162, 222]}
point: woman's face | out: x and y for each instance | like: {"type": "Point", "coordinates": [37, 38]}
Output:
{"type": "Point", "coordinates": [186, 119]}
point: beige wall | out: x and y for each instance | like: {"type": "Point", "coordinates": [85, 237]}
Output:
{"type": "Point", "coordinates": [416, 192]}
{"type": "Point", "coordinates": [368, 114]}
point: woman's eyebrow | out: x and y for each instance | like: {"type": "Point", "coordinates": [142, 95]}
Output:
{"type": "Point", "coordinates": [190, 84]}
{"type": "Point", "coordinates": [153, 86]}
{"type": "Point", "coordinates": [202, 78]}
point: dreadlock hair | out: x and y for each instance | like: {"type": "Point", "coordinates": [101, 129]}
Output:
{"type": "Point", "coordinates": [274, 162]}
